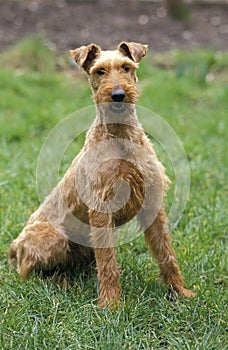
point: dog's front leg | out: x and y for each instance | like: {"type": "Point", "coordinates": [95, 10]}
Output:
{"type": "Point", "coordinates": [158, 239]}
{"type": "Point", "coordinates": [102, 240]}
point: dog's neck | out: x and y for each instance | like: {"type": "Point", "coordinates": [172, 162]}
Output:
{"type": "Point", "coordinates": [108, 125]}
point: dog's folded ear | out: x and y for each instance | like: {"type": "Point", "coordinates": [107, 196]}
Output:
{"type": "Point", "coordinates": [85, 55]}
{"type": "Point", "coordinates": [135, 51]}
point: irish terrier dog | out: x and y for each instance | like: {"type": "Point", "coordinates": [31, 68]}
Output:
{"type": "Point", "coordinates": [119, 177]}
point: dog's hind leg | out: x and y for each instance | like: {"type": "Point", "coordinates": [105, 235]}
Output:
{"type": "Point", "coordinates": [39, 247]}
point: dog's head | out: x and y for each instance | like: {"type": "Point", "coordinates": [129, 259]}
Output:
{"type": "Point", "coordinates": [112, 74]}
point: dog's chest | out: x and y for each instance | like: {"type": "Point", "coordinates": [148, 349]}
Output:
{"type": "Point", "coordinates": [114, 177]}
{"type": "Point", "coordinates": [109, 161]}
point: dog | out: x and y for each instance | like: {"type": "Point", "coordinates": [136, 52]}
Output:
{"type": "Point", "coordinates": [119, 177]}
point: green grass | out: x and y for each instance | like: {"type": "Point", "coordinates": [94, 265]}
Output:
{"type": "Point", "coordinates": [35, 314]}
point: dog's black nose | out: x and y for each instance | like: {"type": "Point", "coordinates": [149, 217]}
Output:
{"type": "Point", "coordinates": [118, 95]}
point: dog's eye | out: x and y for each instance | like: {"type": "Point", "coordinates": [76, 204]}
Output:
{"type": "Point", "coordinates": [126, 68]}
{"type": "Point", "coordinates": [100, 71]}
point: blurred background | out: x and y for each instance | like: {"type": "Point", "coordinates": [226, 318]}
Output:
{"type": "Point", "coordinates": [164, 25]}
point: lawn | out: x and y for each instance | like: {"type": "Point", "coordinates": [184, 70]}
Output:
{"type": "Point", "coordinates": [188, 90]}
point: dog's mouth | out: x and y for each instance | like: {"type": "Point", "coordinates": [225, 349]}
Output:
{"type": "Point", "coordinates": [118, 107]}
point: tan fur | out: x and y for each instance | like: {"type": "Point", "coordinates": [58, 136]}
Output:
{"type": "Point", "coordinates": [45, 242]}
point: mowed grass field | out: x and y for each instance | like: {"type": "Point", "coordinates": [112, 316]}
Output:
{"type": "Point", "coordinates": [190, 91]}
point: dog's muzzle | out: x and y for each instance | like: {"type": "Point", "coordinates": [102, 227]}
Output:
{"type": "Point", "coordinates": [118, 105]}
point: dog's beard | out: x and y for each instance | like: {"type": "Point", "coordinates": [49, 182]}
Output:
{"type": "Point", "coordinates": [115, 112]}
{"type": "Point", "coordinates": [118, 108]}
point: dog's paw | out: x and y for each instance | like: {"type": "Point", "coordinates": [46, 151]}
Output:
{"type": "Point", "coordinates": [13, 254]}
{"type": "Point", "coordinates": [21, 257]}
{"type": "Point", "coordinates": [181, 292]}
{"type": "Point", "coordinates": [109, 304]}
{"type": "Point", "coordinates": [110, 299]}
{"type": "Point", "coordinates": [187, 293]}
